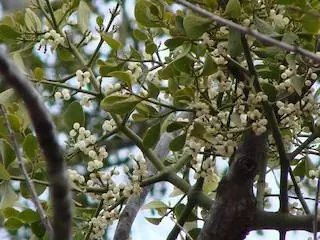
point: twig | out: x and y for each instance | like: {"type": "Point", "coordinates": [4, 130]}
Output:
{"type": "Point", "coordinates": [248, 31]}
{"type": "Point", "coordinates": [299, 193]}
{"type": "Point", "coordinates": [192, 202]}
{"type": "Point", "coordinates": [305, 144]}
{"type": "Point", "coordinates": [34, 196]}
{"type": "Point", "coordinates": [315, 222]}
{"type": "Point", "coordinates": [114, 13]}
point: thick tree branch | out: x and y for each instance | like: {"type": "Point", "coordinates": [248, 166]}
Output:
{"type": "Point", "coordinates": [282, 221]}
{"type": "Point", "coordinates": [45, 131]}
{"type": "Point", "coordinates": [273, 124]}
{"type": "Point", "coordinates": [235, 207]}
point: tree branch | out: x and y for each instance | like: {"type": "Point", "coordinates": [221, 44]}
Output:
{"type": "Point", "coordinates": [45, 131]}
{"type": "Point", "coordinates": [248, 31]}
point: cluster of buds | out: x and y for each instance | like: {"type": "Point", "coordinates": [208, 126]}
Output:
{"type": "Point", "coordinates": [65, 94]}
{"type": "Point", "coordinates": [51, 38]}
{"type": "Point", "coordinates": [85, 141]}
{"type": "Point", "coordinates": [109, 125]}
{"type": "Point", "coordinates": [100, 223]}
{"type": "Point", "coordinates": [83, 77]}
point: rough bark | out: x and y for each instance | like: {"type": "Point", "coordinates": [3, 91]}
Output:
{"type": "Point", "coordinates": [232, 215]}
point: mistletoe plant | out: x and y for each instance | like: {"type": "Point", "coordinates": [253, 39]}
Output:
{"type": "Point", "coordinates": [183, 87]}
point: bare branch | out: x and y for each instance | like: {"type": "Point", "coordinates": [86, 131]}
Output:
{"type": "Point", "coordinates": [45, 131]}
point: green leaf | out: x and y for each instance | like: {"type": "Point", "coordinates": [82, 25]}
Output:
{"type": "Point", "coordinates": [8, 96]}
{"type": "Point", "coordinates": [194, 233]}
{"type": "Point", "coordinates": [234, 43]}
{"type": "Point", "coordinates": [74, 113]}
{"type": "Point", "coordinates": [148, 13]}
{"type": "Point", "coordinates": [198, 130]}
{"type": "Point", "coordinates": [4, 175]}
{"type": "Point", "coordinates": [29, 216]}
{"type": "Point", "coordinates": [168, 72]}
{"type": "Point", "coordinates": [156, 204]}
{"type": "Point", "coordinates": [38, 73]}
{"type": "Point", "coordinates": [84, 12]}
{"type": "Point", "coordinates": [139, 35]}
{"type": "Point", "coordinates": [151, 47]}
{"type": "Point", "coordinates": [7, 153]}
{"type": "Point", "coordinates": [10, 212]}
{"type": "Point", "coordinates": [178, 143]}
{"type": "Point", "coordinates": [310, 23]}
{"type": "Point", "coordinates": [8, 34]}
{"type": "Point", "coordinates": [25, 192]}
{"type": "Point", "coordinates": [13, 223]}
{"type": "Point", "coordinates": [270, 90]}
{"type": "Point", "coordinates": [174, 126]}
{"type": "Point", "coordinates": [153, 90]}
{"type": "Point", "coordinates": [9, 197]}
{"type": "Point", "coordinates": [119, 104]}
{"type": "Point", "coordinates": [32, 21]}
{"type": "Point", "coordinates": [154, 221]}
{"type": "Point", "coordinates": [233, 9]}
{"type": "Point", "coordinates": [99, 21]}
{"type": "Point", "coordinates": [146, 110]}
{"type": "Point", "coordinates": [262, 26]}
{"type": "Point", "coordinates": [298, 83]}
{"type": "Point", "coordinates": [209, 66]}
{"type": "Point", "coordinates": [107, 67]}
{"type": "Point", "coordinates": [152, 136]}
{"type": "Point", "coordinates": [178, 212]}
{"type": "Point", "coordinates": [38, 229]}
{"type": "Point", "coordinates": [113, 43]}
{"type": "Point", "coordinates": [175, 42]}
{"type": "Point", "coordinates": [195, 26]}
{"type": "Point", "coordinates": [123, 76]}
{"type": "Point", "coordinates": [30, 146]}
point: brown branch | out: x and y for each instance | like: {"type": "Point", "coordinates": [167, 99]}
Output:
{"type": "Point", "coordinates": [282, 221]}
{"type": "Point", "coordinates": [234, 207]}
{"type": "Point", "coordinates": [45, 131]}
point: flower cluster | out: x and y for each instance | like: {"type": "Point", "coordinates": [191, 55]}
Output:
{"type": "Point", "coordinates": [51, 38]}
{"type": "Point", "coordinates": [207, 40]}
{"type": "Point", "coordinates": [85, 141]}
{"type": "Point", "coordinates": [76, 177]}
{"type": "Point", "coordinates": [278, 19]}
{"type": "Point", "coordinates": [138, 174]}
{"type": "Point", "coordinates": [85, 100]}
{"type": "Point", "coordinates": [135, 70]}
{"type": "Point", "coordinates": [109, 125]}
{"type": "Point", "coordinates": [83, 77]}
{"type": "Point", "coordinates": [100, 222]}
{"type": "Point", "coordinates": [65, 94]}
{"type": "Point", "coordinates": [111, 88]}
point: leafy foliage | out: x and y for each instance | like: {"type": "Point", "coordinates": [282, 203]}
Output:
{"type": "Point", "coordinates": [171, 73]}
